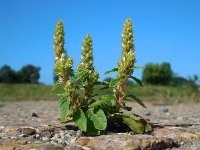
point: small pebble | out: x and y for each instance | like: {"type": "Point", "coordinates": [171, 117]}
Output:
{"type": "Point", "coordinates": [22, 135]}
{"type": "Point", "coordinates": [45, 139]}
{"type": "Point", "coordinates": [28, 131]}
{"type": "Point", "coordinates": [12, 137]}
{"type": "Point", "coordinates": [34, 114]}
{"type": "Point", "coordinates": [37, 135]}
{"type": "Point", "coordinates": [147, 113]}
{"type": "Point", "coordinates": [163, 109]}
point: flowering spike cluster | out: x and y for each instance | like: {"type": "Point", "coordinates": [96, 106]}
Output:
{"type": "Point", "coordinates": [125, 65]}
{"type": "Point", "coordinates": [87, 65]}
{"type": "Point", "coordinates": [87, 57]}
{"type": "Point", "coordinates": [59, 39]}
{"type": "Point", "coordinates": [63, 65]}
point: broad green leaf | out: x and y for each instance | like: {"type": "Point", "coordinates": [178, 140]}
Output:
{"type": "Point", "coordinates": [111, 71]}
{"type": "Point", "coordinates": [138, 81]}
{"type": "Point", "coordinates": [64, 103]}
{"type": "Point", "coordinates": [91, 128]}
{"type": "Point", "coordinates": [112, 102]}
{"type": "Point", "coordinates": [134, 125]}
{"type": "Point", "coordinates": [114, 82]}
{"type": "Point", "coordinates": [98, 117]}
{"type": "Point", "coordinates": [102, 100]}
{"type": "Point", "coordinates": [148, 128]}
{"type": "Point", "coordinates": [136, 99]}
{"type": "Point", "coordinates": [80, 120]}
{"type": "Point", "coordinates": [79, 75]}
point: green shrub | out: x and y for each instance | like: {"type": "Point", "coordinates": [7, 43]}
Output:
{"type": "Point", "coordinates": [157, 74]}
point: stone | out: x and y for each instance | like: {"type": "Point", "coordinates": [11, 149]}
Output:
{"type": "Point", "coordinates": [57, 135]}
{"type": "Point", "coordinates": [34, 114]}
{"type": "Point", "coordinates": [10, 129]}
{"type": "Point", "coordinates": [189, 136]}
{"type": "Point", "coordinates": [145, 144]}
{"type": "Point", "coordinates": [23, 135]}
{"type": "Point", "coordinates": [147, 113]}
{"type": "Point", "coordinates": [45, 139]}
{"type": "Point", "coordinates": [163, 109]}
{"type": "Point", "coordinates": [32, 137]}
{"type": "Point", "coordinates": [61, 141]}
{"type": "Point", "coordinates": [28, 131]}
{"type": "Point", "coordinates": [83, 141]}
{"type": "Point", "coordinates": [22, 142]}
{"type": "Point", "coordinates": [45, 133]}
{"type": "Point", "coordinates": [37, 136]}
{"type": "Point", "coordinates": [13, 137]}
{"type": "Point", "coordinates": [114, 143]}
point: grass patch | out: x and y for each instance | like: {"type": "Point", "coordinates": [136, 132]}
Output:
{"type": "Point", "coordinates": [13, 92]}
{"type": "Point", "coordinates": [156, 94]}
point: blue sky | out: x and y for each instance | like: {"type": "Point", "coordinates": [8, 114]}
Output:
{"type": "Point", "coordinates": [165, 31]}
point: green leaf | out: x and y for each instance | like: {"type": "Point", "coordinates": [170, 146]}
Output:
{"type": "Point", "coordinates": [138, 81]}
{"type": "Point", "coordinates": [111, 71]}
{"type": "Point", "coordinates": [134, 125]}
{"type": "Point", "coordinates": [103, 99]}
{"type": "Point", "coordinates": [80, 120]}
{"type": "Point", "coordinates": [79, 75]}
{"type": "Point", "coordinates": [148, 128]}
{"type": "Point", "coordinates": [64, 103]}
{"type": "Point", "coordinates": [55, 87]}
{"type": "Point", "coordinates": [98, 117]}
{"type": "Point", "coordinates": [138, 67]}
{"type": "Point", "coordinates": [114, 82]}
{"type": "Point", "coordinates": [91, 128]}
{"type": "Point", "coordinates": [136, 99]}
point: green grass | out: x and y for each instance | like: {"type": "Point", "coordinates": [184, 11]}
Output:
{"type": "Point", "coordinates": [156, 94]}
{"type": "Point", "coordinates": [9, 92]}
{"type": "Point", "coordinates": [161, 94]}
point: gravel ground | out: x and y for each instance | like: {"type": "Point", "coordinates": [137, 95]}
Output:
{"type": "Point", "coordinates": [37, 122]}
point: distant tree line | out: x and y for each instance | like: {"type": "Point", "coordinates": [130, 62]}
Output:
{"type": "Point", "coordinates": [162, 74]}
{"type": "Point", "coordinates": [27, 74]}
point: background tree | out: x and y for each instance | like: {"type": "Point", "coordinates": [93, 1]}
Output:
{"type": "Point", "coordinates": [8, 75]}
{"type": "Point", "coordinates": [29, 74]}
{"type": "Point", "coordinates": [157, 74]}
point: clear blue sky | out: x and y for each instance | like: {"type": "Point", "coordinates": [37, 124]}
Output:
{"type": "Point", "coordinates": [165, 30]}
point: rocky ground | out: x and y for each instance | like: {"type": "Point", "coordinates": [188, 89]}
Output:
{"type": "Point", "coordinates": [35, 125]}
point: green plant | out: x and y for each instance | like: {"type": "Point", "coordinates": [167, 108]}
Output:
{"type": "Point", "coordinates": [126, 66]}
{"type": "Point", "coordinates": [74, 104]}
{"type": "Point", "coordinates": [78, 103]}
